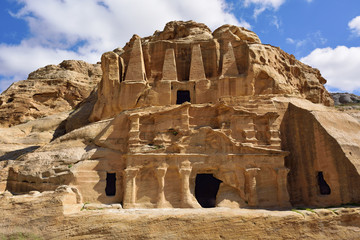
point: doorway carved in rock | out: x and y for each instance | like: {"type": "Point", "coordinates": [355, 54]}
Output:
{"type": "Point", "coordinates": [110, 189]}
{"type": "Point", "coordinates": [323, 186]}
{"type": "Point", "coordinates": [206, 189]}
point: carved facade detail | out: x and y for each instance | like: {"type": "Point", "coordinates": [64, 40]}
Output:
{"type": "Point", "coordinates": [187, 118]}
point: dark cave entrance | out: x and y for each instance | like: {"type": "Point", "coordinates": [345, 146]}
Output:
{"type": "Point", "coordinates": [323, 186]}
{"type": "Point", "coordinates": [182, 96]}
{"type": "Point", "coordinates": [110, 189]}
{"type": "Point", "coordinates": [206, 189]}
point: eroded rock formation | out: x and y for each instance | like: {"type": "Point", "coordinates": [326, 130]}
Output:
{"type": "Point", "coordinates": [345, 99]}
{"type": "Point", "coordinates": [188, 118]}
{"type": "Point", "coordinates": [186, 56]}
{"type": "Point", "coordinates": [49, 90]}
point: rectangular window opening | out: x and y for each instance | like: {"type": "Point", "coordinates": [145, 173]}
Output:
{"type": "Point", "coordinates": [182, 96]}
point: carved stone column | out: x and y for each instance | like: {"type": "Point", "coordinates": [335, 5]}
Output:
{"type": "Point", "coordinates": [160, 174]}
{"type": "Point", "coordinates": [130, 187]}
{"type": "Point", "coordinates": [240, 183]}
{"type": "Point", "coordinates": [187, 199]}
{"type": "Point", "coordinates": [250, 177]}
{"type": "Point", "coordinates": [282, 193]}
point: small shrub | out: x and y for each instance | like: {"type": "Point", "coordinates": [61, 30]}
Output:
{"type": "Point", "coordinates": [297, 211]}
{"type": "Point", "coordinates": [20, 236]}
{"type": "Point", "coordinates": [335, 211]}
{"type": "Point", "coordinates": [83, 207]}
{"type": "Point", "coordinates": [310, 210]}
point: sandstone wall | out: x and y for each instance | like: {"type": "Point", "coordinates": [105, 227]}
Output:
{"type": "Point", "coordinates": [184, 103]}
{"type": "Point", "coordinates": [230, 62]}
{"type": "Point", "coordinates": [322, 142]}
{"type": "Point", "coordinates": [166, 147]}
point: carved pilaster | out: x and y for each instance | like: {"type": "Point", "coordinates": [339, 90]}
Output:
{"type": "Point", "coordinates": [187, 199]}
{"type": "Point", "coordinates": [240, 179]}
{"type": "Point", "coordinates": [250, 177]}
{"type": "Point", "coordinates": [130, 187]}
{"type": "Point", "coordinates": [282, 193]}
{"type": "Point", "coordinates": [160, 174]}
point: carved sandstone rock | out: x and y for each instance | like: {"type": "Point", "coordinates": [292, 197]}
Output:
{"type": "Point", "coordinates": [190, 119]}
{"type": "Point", "coordinates": [47, 91]}
{"type": "Point", "coordinates": [185, 56]}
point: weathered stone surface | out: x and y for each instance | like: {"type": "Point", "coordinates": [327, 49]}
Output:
{"type": "Point", "coordinates": [231, 62]}
{"type": "Point", "coordinates": [326, 142]}
{"type": "Point", "coordinates": [47, 91]}
{"type": "Point", "coordinates": [345, 98]}
{"type": "Point", "coordinates": [24, 138]}
{"type": "Point", "coordinates": [169, 68]}
{"type": "Point", "coordinates": [236, 33]}
{"type": "Point", "coordinates": [197, 71]}
{"type": "Point", "coordinates": [81, 114]}
{"type": "Point", "coordinates": [348, 103]}
{"type": "Point", "coordinates": [183, 30]}
{"type": "Point", "coordinates": [237, 125]}
{"type": "Point", "coordinates": [136, 67]}
{"type": "Point", "coordinates": [187, 118]}
{"type": "Point", "coordinates": [229, 67]}
{"type": "Point", "coordinates": [51, 215]}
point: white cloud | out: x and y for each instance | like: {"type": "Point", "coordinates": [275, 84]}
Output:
{"type": "Point", "coordinates": [20, 60]}
{"type": "Point", "coordinates": [312, 39]}
{"type": "Point", "coordinates": [290, 41]}
{"type": "Point", "coordinates": [339, 66]}
{"type": "Point", "coordinates": [354, 25]}
{"type": "Point", "coordinates": [266, 3]}
{"type": "Point", "coordinates": [276, 22]}
{"type": "Point", "coordinates": [262, 5]}
{"type": "Point", "coordinates": [62, 29]}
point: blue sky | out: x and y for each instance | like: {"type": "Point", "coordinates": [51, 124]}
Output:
{"type": "Point", "coordinates": [322, 33]}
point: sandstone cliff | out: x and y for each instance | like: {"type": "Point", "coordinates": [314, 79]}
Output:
{"type": "Point", "coordinates": [48, 90]}
{"type": "Point", "coordinates": [185, 118]}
